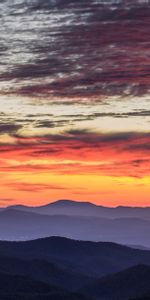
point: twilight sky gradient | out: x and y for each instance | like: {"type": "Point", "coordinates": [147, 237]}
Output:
{"type": "Point", "coordinates": [75, 101]}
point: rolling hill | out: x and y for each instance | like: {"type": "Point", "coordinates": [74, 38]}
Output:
{"type": "Point", "coordinates": [23, 225]}
{"type": "Point", "coordinates": [80, 257]}
{"type": "Point", "coordinates": [17, 287]}
{"type": "Point", "coordinates": [42, 270]}
{"type": "Point", "coordinates": [128, 284]}
{"type": "Point", "coordinates": [70, 207]}
{"type": "Point", "coordinates": [62, 269]}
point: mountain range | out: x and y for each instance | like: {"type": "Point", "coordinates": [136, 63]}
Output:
{"type": "Point", "coordinates": [58, 268]}
{"type": "Point", "coordinates": [128, 284]}
{"type": "Point", "coordinates": [93, 258]}
{"type": "Point", "coordinates": [75, 220]}
{"type": "Point", "coordinates": [16, 287]}
{"type": "Point", "coordinates": [70, 207]}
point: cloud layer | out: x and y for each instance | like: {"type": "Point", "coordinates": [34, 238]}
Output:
{"type": "Point", "coordinates": [75, 48]}
{"type": "Point", "coordinates": [74, 99]}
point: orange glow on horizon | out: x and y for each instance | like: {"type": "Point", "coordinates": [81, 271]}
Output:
{"type": "Point", "coordinates": [101, 190]}
{"type": "Point", "coordinates": [104, 169]}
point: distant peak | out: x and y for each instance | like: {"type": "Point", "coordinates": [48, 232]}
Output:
{"type": "Point", "coordinates": [15, 206]}
{"type": "Point", "coordinates": [64, 202]}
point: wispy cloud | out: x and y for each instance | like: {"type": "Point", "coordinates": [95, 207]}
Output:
{"type": "Point", "coordinates": [73, 49]}
{"type": "Point", "coordinates": [74, 94]}
{"type": "Point", "coordinates": [80, 152]}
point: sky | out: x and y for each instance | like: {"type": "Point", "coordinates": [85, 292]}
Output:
{"type": "Point", "coordinates": [75, 101]}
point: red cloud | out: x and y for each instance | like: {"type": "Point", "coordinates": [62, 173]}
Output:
{"type": "Point", "coordinates": [80, 152]}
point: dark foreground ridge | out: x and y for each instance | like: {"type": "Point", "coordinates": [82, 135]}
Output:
{"type": "Point", "coordinates": [13, 287]}
{"type": "Point", "coordinates": [60, 268]}
{"type": "Point", "coordinates": [128, 284]}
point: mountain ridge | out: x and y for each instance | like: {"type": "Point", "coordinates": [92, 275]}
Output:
{"type": "Point", "coordinates": [18, 224]}
{"type": "Point", "coordinates": [127, 284]}
{"type": "Point", "coordinates": [76, 203]}
{"type": "Point", "coordinates": [96, 259]}
{"type": "Point", "coordinates": [85, 208]}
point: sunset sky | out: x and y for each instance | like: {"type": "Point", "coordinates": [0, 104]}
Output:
{"type": "Point", "coordinates": [75, 102]}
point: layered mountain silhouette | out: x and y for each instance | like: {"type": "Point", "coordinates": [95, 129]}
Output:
{"type": "Point", "coordinates": [128, 284]}
{"type": "Point", "coordinates": [51, 273]}
{"type": "Point", "coordinates": [26, 223]}
{"type": "Point", "coordinates": [70, 207]}
{"type": "Point", "coordinates": [80, 257]}
{"type": "Point", "coordinates": [57, 267]}
{"type": "Point", "coordinates": [15, 287]}
{"type": "Point", "coordinates": [62, 269]}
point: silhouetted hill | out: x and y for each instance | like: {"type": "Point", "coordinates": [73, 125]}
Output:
{"type": "Point", "coordinates": [142, 298]}
{"type": "Point", "coordinates": [128, 284]}
{"type": "Point", "coordinates": [42, 270]}
{"type": "Point", "coordinates": [60, 266]}
{"type": "Point", "coordinates": [23, 225]}
{"type": "Point", "coordinates": [17, 284]}
{"type": "Point", "coordinates": [17, 287]}
{"type": "Point", "coordinates": [62, 207]}
{"type": "Point", "coordinates": [71, 203]}
{"type": "Point", "coordinates": [69, 207]}
{"type": "Point", "coordinates": [86, 258]}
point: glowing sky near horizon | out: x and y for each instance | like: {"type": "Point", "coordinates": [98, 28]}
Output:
{"type": "Point", "coordinates": [75, 102]}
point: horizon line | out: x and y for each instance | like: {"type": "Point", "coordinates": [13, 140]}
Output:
{"type": "Point", "coordinates": [74, 201]}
